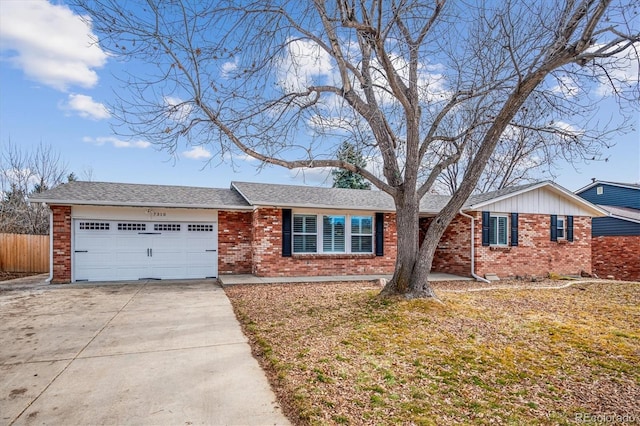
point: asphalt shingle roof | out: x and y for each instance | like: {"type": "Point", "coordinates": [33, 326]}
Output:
{"type": "Point", "coordinates": [262, 194]}
{"type": "Point", "coordinates": [623, 212]}
{"type": "Point", "coordinates": [266, 194]}
{"type": "Point", "coordinates": [245, 195]}
{"type": "Point", "coordinates": [126, 194]}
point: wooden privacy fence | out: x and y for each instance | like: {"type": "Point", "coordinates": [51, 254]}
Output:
{"type": "Point", "coordinates": [24, 253]}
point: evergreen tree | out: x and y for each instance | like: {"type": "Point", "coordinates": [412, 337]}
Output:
{"type": "Point", "coordinates": [347, 179]}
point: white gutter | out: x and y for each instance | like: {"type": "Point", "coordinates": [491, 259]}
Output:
{"type": "Point", "coordinates": [48, 280]}
{"type": "Point", "coordinates": [473, 257]}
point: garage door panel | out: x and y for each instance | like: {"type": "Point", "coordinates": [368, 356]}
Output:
{"type": "Point", "coordinates": [116, 250]}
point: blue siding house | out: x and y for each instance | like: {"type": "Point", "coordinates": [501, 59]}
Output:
{"type": "Point", "coordinates": [622, 200]}
{"type": "Point", "coordinates": [615, 239]}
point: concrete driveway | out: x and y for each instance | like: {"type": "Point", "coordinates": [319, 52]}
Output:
{"type": "Point", "coordinates": [135, 353]}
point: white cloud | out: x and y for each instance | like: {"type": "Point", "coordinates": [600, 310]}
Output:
{"type": "Point", "coordinates": [19, 177]}
{"type": "Point", "coordinates": [567, 131]}
{"type": "Point", "coordinates": [86, 107]}
{"type": "Point", "coordinates": [566, 87]}
{"type": "Point", "coordinates": [117, 143]}
{"type": "Point", "coordinates": [622, 70]}
{"type": "Point", "coordinates": [303, 64]}
{"type": "Point", "coordinates": [178, 110]}
{"type": "Point", "coordinates": [198, 153]}
{"type": "Point", "coordinates": [50, 44]}
{"type": "Point", "coordinates": [228, 68]}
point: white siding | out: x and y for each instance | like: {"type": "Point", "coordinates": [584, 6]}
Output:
{"type": "Point", "coordinates": [538, 201]}
{"type": "Point", "coordinates": [155, 214]}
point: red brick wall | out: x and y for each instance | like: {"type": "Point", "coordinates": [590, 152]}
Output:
{"type": "Point", "coordinates": [234, 242]}
{"type": "Point", "coordinates": [453, 255]}
{"type": "Point", "coordinates": [61, 244]}
{"type": "Point", "coordinates": [268, 260]}
{"type": "Point", "coordinates": [618, 256]}
{"type": "Point", "coordinates": [536, 254]}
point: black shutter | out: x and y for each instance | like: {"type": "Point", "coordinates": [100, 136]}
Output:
{"type": "Point", "coordinates": [286, 232]}
{"type": "Point", "coordinates": [485, 228]}
{"type": "Point", "coordinates": [379, 234]}
{"type": "Point", "coordinates": [554, 227]}
{"type": "Point", "coordinates": [514, 229]}
{"type": "Point", "coordinates": [569, 228]}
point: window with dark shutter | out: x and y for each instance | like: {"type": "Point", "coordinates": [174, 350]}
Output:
{"type": "Point", "coordinates": [569, 228]}
{"type": "Point", "coordinates": [514, 229]}
{"type": "Point", "coordinates": [286, 232]}
{"type": "Point", "coordinates": [554, 227]}
{"type": "Point", "coordinates": [486, 219]}
{"type": "Point", "coordinates": [379, 234]}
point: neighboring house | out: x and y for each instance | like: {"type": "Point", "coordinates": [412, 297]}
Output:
{"type": "Point", "coordinates": [114, 231]}
{"type": "Point", "coordinates": [616, 238]}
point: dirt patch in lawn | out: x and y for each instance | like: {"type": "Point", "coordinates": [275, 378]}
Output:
{"type": "Point", "coordinates": [6, 276]}
{"type": "Point", "coordinates": [337, 354]}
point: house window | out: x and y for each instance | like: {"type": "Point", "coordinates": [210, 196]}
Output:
{"type": "Point", "coordinates": [94, 226]}
{"type": "Point", "coordinates": [194, 227]}
{"type": "Point", "coordinates": [132, 227]}
{"type": "Point", "coordinates": [361, 234]}
{"type": "Point", "coordinates": [333, 234]}
{"type": "Point", "coordinates": [561, 227]}
{"type": "Point", "coordinates": [166, 226]}
{"type": "Point", "coordinates": [498, 234]}
{"type": "Point", "coordinates": [599, 190]}
{"type": "Point", "coordinates": [305, 233]}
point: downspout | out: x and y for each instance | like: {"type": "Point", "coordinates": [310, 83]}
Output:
{"type": "Point", "coordinates": [473, 257]}
{"type": "Point", "coordinates": [48, 280]}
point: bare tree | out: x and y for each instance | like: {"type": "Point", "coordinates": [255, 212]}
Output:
{"type": "Point", "coordinates": [23, 173]}
{"type": "Point", "coordinates": [286, 82]}
{"type": "Point", "coordinates": [527, 151]}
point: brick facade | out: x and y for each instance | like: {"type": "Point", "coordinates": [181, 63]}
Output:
{"type": "Point", "coordinates": [535, 253]}
{"type": "Point", "coordinates": [235, 233]}
{"type": "Point", "coordinates": [618, 256]}
{"type": "Point", "coordinates": [251, 242]}
{"type": "Point", "coordinates": [268, 260]}
{"type": "Point", "coordinates": [61, 244]}
{"type": "Point", "coordinates": [453, 255]}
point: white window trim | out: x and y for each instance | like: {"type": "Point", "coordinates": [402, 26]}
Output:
{"type": "Point", "coordinates": [317, 233]}
{"type": "Point", "coordinates": [508, 229]}
{"type": "Point", "coordinates": [320, 231]}
{"type": "Point", "coordinates": [564, 227]}
{"type": "Point", "coordinates": [359, 234]}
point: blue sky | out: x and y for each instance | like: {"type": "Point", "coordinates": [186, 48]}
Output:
{"type": "Point", "coordinates": [54, 88]}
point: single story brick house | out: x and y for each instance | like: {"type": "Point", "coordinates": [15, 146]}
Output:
{"type": "Point", "coordinates": [615, 238]}
{"type": "Point", "coordinates": [114, 231]}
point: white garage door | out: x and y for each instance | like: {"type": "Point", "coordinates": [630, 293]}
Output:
{"type": "Point", "coordinates": [131, 250]}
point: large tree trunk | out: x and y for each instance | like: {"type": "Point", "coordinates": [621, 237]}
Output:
{"type": "Point", "coordinates": [410, 278]}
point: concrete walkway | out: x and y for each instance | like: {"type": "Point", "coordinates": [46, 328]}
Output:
{"type": "Point", "coordinates": [151, 353]}
{"type": "Point", "coordinates": [227, 280]}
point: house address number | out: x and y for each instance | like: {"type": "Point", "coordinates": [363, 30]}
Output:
{"type": "Point", "coordinates": [154, 213]}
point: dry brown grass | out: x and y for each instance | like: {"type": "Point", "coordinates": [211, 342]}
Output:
{"type": "Point", "coordinates": [337, 354]}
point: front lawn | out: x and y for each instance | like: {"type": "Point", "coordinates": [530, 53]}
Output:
{"type": "Point", "coordinates": [337, 354]}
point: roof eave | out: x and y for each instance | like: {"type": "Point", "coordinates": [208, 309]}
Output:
{"type": "Point", "coordinates": [604, 182]}
{"type": "Point", "coordinates": [319, 206]}
{"type": "Point", "coordinates": [628, 219]}
{"type": "Point", "coordinates": [139, 204]}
